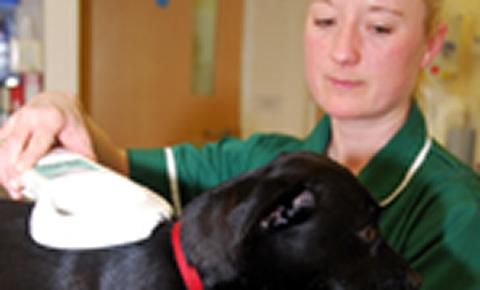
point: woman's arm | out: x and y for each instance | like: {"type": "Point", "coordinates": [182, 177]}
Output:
{"type": "Point", "coordinates": [105, 149]}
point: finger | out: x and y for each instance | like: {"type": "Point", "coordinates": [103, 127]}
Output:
{"type": "Point", "coordinates": [39, 144]}
{"type": "Point", "coordinates": [14, 144]}
{"type": "Point", "coordinates": [14, 191]}
{"type": "Point", "coordinates": [11, 184]}
{"type": "Point", "coordinates": [12, 126]}
{"type": "Point", "coordinates": [7, 127]}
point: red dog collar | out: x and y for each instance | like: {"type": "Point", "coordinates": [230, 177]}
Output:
{"type": "Point", "coordinates": [189, 274]}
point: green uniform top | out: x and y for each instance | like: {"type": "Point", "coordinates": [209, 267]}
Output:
{"type": "Point", "coordinates": [434, 223]}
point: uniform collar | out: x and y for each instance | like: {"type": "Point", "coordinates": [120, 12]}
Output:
{"type": "Point", "coordinates": [386, 170]}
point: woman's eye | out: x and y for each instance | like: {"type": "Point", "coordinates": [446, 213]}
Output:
{"type": "Point", "coordinates": [381, 29]}
{"type": "Point", "coordinates": [324, 22]}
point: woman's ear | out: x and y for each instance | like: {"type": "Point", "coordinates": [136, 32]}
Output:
{"type": "Point", "coordinates": [435, 44]}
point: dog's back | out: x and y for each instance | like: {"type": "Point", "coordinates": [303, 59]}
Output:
{"type": "Point", "coordinates": [300, 222]}
{"type": "Point", "coordinates": [26, 265]}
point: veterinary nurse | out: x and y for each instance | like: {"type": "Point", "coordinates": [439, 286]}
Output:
{"type": "Point", "coordinates": [362, 62]}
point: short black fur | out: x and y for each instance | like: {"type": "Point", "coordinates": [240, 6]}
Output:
{"type": "Point", "coordinates": [300, 222]}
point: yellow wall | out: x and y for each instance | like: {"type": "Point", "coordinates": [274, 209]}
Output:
{"type": "Point", "coordinates": [452, 97]}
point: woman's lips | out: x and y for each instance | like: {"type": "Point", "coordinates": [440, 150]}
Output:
{"type": "Point", "coordinates": [345, 83]}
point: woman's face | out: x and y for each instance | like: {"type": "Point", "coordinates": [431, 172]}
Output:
{"type": "Point", "coordinates": [363, 56]}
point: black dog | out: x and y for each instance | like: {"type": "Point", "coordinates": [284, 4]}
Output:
{"type": "Point", "coordinates": [300, 222]}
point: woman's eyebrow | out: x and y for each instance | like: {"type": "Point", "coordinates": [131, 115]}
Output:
{"type": "Point", "coordinates": [329, 2]}
{"type": "Point", "coordinates": [379, 8]}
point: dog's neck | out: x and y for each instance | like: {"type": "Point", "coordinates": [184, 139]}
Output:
{"type": "Point", "coordinates": [189, 274]}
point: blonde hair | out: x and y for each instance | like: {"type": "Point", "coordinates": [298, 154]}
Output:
{"type": "Point", "coordinates": [433, 16]}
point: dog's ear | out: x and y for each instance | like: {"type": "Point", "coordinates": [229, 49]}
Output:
{"type": "Point", "coordinates": [292, 211]}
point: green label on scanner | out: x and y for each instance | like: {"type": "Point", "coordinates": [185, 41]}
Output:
{"type": "Point", "coordinates": [64, 168]}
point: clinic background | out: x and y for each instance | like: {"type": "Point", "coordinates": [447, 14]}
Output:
{"type": "Point", "coordinates": [136, 66]}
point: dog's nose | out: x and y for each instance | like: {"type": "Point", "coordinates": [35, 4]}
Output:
{"type": "Point", "coordinates": [414, 281]}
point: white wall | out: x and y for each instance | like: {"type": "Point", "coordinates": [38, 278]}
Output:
{"type": "Point", "coordinates": [452, 98]}
{"type": "Point", "coordinates": [274, 93]}
{"type": "Point", "coordinates": [61, 45]}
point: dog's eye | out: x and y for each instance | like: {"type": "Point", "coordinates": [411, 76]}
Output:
{"type": "Point", "coordinates": [368, 234]}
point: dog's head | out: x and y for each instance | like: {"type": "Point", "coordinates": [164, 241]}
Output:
{"type": "Point", "coordinates": [300, 222]}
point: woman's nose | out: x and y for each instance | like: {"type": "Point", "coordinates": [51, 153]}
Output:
{"type": "Point", "coordinates": [345, 49]}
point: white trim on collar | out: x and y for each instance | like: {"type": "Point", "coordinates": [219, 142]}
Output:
{"type": "Point", "coordinates": [419, 160]}
{"type": "Point", "coordinates": [173, 180]}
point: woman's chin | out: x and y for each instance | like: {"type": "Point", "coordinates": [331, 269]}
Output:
{"type": "Point", "coordinates": [345, 112]}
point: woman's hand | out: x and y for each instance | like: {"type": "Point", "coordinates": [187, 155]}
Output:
{"type": "Point", "coordinates": [48, 119]}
